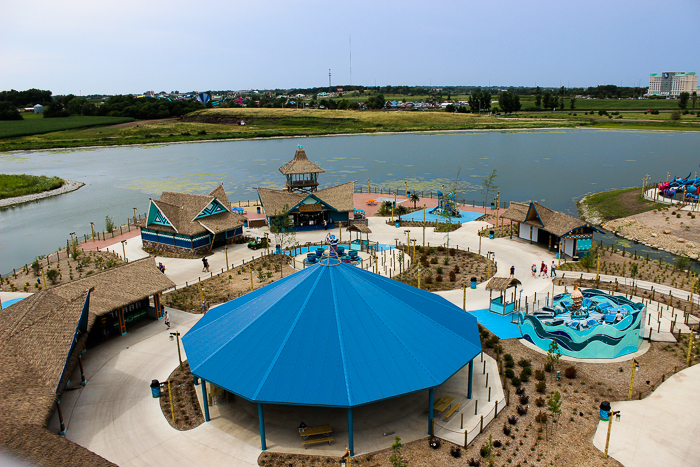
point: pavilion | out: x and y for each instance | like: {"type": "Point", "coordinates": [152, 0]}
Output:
{"type": "Point", "coordinates": [332, 335]}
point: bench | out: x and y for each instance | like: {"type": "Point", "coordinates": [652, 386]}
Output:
{"type": "Point", "coordinates": [306, 442]}
{"type": "Point", "coordinates": [452, 410]}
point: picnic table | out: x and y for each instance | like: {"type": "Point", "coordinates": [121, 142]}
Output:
{"type": "Point", "coordinates": [323, 431]}
{"type": "Point", "coordinates": [443, 403]}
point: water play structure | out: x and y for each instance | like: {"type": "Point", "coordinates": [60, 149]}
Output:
{"type": "Point", "coordinates": [687, 189]}
{"type": "Point", "coordinates": [586, 324]}
{"type": "Point", "coordinates": [447, 205]}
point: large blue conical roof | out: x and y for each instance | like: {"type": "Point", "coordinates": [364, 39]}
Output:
{"type": "Point", "coordinates": [336, 336]}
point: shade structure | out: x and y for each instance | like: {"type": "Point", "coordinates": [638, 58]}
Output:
{"type": "Point", "coordinates": [334, 336]}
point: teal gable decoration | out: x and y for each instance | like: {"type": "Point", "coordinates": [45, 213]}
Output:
{"type": "Point", "coordinates": [157, 217]}
{"type": "Point", "coordinates": [212, 208]}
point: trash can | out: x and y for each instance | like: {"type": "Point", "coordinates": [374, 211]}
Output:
{"type": "Point", "coordinates": [278, 249]}
{"type": "Point", "coordinates": [491, 234]}
{"type": "Point", "coordinates": [605, 411]}
{"type": "Point", "coordinates": [155, 388]}
{"type": "Point", "coordinates": [397, 224]}
{"type": "Point", "coordinates": [258, 209]}
{"type": "Point", "coordinates": [473, 283]}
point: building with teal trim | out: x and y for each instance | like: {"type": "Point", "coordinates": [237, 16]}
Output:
{"type": "Point", "coordinates": [190, 223]}
{"type": "Point", "coordinates": [539, 224]}
{"type": "Point", "coordinates": [307, 207]}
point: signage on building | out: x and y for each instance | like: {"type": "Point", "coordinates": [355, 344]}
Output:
{"type": "Point", "coordinates": [310, 207]}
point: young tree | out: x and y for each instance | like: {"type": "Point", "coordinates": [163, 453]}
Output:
{"type": "Point", "coordinates": [485, 100]}
{"type": "Point", "coordinates": [553, 354]}
{"type": "Point", "coordinates": [572, 102]}
{"type": "Point", "coordinates": [282, 229]}
{"type": "Point", "coordinates": [475, 101]}
{"type": "Point", "coordinates": [547, 101]}
{"type": "Point", "coordinates": [489, 184]}
{"type": "Point", "coordinates": [538, 97]}
{"type": "Point", "coordinates": [694, 97]}
{"type": "Point", "coordinates": [683, 100]}
{"type": "Point", "coordinates": [109, 224]}
{"type": "Point", "coordinates": [396, 458]}
{"type": "Point", "coordinates": [9, 112]}
{"type": "Point", "coordinates": [554, 404]}
{"type": "Point", "coordinates": [561, 103]}
{"type": "Point", "coordinates": [509, 101]}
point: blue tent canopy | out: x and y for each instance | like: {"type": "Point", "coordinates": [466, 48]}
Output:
{"type": "Point", "coordinates": [335, 336]}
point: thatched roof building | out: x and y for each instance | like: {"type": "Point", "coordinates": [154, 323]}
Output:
{"type": "Point", "coordinates": [542, 225]}
{"type": "Point", "coordinates": [189, 222]}
{"type": "Point", "coordinates": [301, 173]}
{"type": "Point", "coordinates": [41, 338]}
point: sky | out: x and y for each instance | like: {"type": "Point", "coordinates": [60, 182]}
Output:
{"type": "Point", "coordinates": [130, 46]}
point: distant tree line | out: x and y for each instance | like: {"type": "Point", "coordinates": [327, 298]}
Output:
{"type": "Point", "coordinates": [144, 108]}
{"type": "Point", "coordinates": [28, 98]}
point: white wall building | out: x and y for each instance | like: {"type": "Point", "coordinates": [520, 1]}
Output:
{"type": "Point", "coordinates": [672, 83]}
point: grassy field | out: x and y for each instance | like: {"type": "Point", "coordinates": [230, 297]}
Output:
{"type": "Point", "coordinates": [620, 203]}
{"type": "Point", "coordinates": [222, 124]}
{"type": "Point", "coordinates": [36, 124]}
{"type": "Point", "coordinates": [20, 185]}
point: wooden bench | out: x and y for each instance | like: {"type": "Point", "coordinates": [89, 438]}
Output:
{"type": "Point", "coordinates": [452, 410]}
{"type": "Point", "coordinates": [306, 442]}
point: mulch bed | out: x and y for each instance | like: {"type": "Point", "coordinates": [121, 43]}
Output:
{"type": "Point", "coordinates": [188, 413]}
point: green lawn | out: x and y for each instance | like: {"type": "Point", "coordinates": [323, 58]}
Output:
{"type": "Point", "coordinates": [615, 204]}
{"type": "Point", "coordinates": [35, 124]}
{"type": "Point", "coordinates": [20, 185]}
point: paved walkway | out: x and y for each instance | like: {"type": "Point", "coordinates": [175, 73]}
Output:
{"type": "Point", "coordinates": [661, 430]}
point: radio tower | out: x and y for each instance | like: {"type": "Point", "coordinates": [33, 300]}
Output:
{"type": "Point", "coordinates": [329, 81]}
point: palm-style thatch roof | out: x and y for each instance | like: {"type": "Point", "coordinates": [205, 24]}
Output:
{"type": "Point", "coordinates": [300, 164]}
{"type": "Point", "coordinates": [183, 209]}
{"type": "Point", "coordinates": [502, 283]}
{"type": "Point", "coordinates": [537, 215]}
{"type": "Point", "coordinates": [120, 286]}
{"type": "Point", "coordinates": [277, 202]}
{"type": "Point", "coordinates": [362, 228]}
{"type": "Point", "coordinates": [41, 338]}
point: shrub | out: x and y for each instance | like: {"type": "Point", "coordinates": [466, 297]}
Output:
{"type": "Point", "coordinates": [452, 251]}
{"type": "Point", "coordinates": [438, 278]}
{"type": "Point", "coordinates": [509, 363]}
{"type": "Point", "coordinates": [521, 410]}
{"type": "Point", "coordinates": [516, 381]}
{"type": "Point", "coordinates": [433, 260]}
{"type": "Point", "coordinates": [456, 269]}
{"type": "Point", "coordinates": [474, 462]}
{"type": "Point", "coordinates": [492, 341]}
{"type": "Point", "coordinates": [456, 452]}
{"type": "Point", "coordinates": [520, 391]}
{"type": "Point", "coordinates": [453, 276]}
{"type": "Point", "coordinates": [508, 357]}
{"type": "Point", "coordinates": [512, 419]}
{"type": "Point", "coordinates": [424, 258]}
{"type": "Point", "coordinates": [52, 275]}
{"type": "Point", "coordinates": [428, 280]}
{"type": "Point", "coordinates": [439, 270]}
{"type": "Point", "coordinates": [524, 377]}
{"type": "Point", "coordinates": [548, 367]}
{"type": "Point", "coordinates": [506, 430]}
{"type": "Point", "coordinates": [539, 402]}
{"type": "Point", "coordinates": [497, 443]}
{"type": "Point", "coordinates": [527, 371]}
{"type": "Point", "coordinates": [524, 363]}
{"type": "Point", "coordinates": [484, 451]}
{"type": "Point", "coordinates": [541, 417]}
{"type": "Point", "coordinates": [539, 375]}
{"type": "Point", "coordinates": [541, 387]}
{"type": "Point", "coordinates": [509, 373]}
{"type": "Point", "coordinates": [441, 248]}
{"type": "Point", "coordinates": [570, 372]}
{"type": "Point", "coordinates": [524, 399]}
{"type": "Point", "coordinates": [655, 112]}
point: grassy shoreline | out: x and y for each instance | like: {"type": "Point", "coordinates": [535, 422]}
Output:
{"type": "Point", "coordinates": [15, 185]}
{"type": "Point", "coordinates": [224, 125]}
{"type": "Point", "coordinates": [604, 206]}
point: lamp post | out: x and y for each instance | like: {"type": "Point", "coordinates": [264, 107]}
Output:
{"type": "Point", "coordinates": [607, 440]}
{"type": "Point", "coordinates": [408, 242]}
{"type": "Point", "coordinates": [124, 250]}
{"type": "Point", "coordinates": [173, 336]}
{"type": "Point", "coordinates": [419, 277]}
{"type": "Point", "coordinates": [267, 243]}
{"type": "Point", "coordinates": [635, 367]}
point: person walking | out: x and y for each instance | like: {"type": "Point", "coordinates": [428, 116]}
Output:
{"type": "Point", "coordinates": [543, 268]}
{"type": "Point", "coordinates": [512, 271]}
{"type": "Point", "coordinates": [534, 270]}
{"type": "Point", "coordinates": [553, 271]}
{"type": "Point", "coordinates": [167, 319]}
{"type": "Point", "coordinates": [325, 224]}
{"type": "Point", "coordinates": [545, 271]}
{"type": "Point", "coordinates": [204, 263]}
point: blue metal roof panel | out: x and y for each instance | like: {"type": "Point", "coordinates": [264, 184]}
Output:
{"type": "Point", "coordinates": [332, 336]}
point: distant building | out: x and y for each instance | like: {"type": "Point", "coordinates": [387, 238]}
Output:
{"type": "Point", "coordinates": [672, 83]}
{"type": "Point", "coordinates": [38, 109]}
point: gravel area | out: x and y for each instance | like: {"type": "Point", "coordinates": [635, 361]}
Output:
{"type": "Point", "coordinates": [66, 188]}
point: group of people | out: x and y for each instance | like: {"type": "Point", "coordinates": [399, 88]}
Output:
{"type": "Point", "coordinates": [543, 270]}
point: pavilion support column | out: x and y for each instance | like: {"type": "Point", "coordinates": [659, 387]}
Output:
{"type": "Point", "coordinates": [82, 370]}
{"type": "Point", "coordinates": [471, 379]}
{"type": "Point", "coordinates": [206, 401]}
{"type": "Point", "coordinates": [430, 411]}
{"type": "Point", "coordinates": [261, 419]}
{"type": "Point", "coordinates": [60, 418]}
{"type": "Point", "coordinates": [351, 442]}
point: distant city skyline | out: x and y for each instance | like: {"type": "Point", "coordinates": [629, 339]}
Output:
{"type": "Point", "coordinates": [132, 46]}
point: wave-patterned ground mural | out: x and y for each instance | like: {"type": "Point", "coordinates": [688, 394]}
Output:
{"type": "Point", "coordinates": [606, 326]}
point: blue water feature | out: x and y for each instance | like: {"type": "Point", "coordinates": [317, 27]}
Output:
{"type": "Point", "coordinates": [500, 325]}
{"type": "Point", "coordinates": [604, 327]}
{"type": "Point", "coordinates": [467, 216]}
{"type": "Point", "coordinates": [6, 303]}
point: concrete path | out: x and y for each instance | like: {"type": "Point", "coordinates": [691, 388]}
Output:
{"type": "Point", "coordinates": [660, 430]}
{"type": "Point", "coordinates": [115, 416]}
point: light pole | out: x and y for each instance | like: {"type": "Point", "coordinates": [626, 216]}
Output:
{"type": "Point", "coordinates": [267, 243]}
{"type": "Point", "coordinates": [176, 335]}
{"type": "Point", "coordinates": [408, 242]}
{"type": "Point", "coordinates": [607, 440]}
{"type": "Point", "coordinates": [635, 367]}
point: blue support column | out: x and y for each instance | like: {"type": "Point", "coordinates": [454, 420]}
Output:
{"type": "Point", "coordinates": [471, 379]}
{"type": "Point", "coordinates": [430, 411]}
{"type": "Point", "coordinates": [351, 443]}
{"type": "Point", "coordinates": [206, 401]}
{"type": "Point", "coordinates": [261, 419]}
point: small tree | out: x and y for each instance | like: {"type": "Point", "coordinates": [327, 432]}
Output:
{"type": "Point", "coordinates": [35, 266]}
{"type": "Point", "coordinates": [572, 103]}
{"type": "Point", "coordinates": [283, 229]}
{"type": "Point", "coordinates": [53, 275]}
{"type": "Point", "coordinates": [634, 271]}
{"type": "Point", "coordinates": [396, 459]}
{"type": "Point", "coordinates": [553, 354]}
{"type": "Point", "coordinates": [676, 115]}
{"type": "Point", "coordinates": [109, 224]}
{"type": "Point", "coordinates": [694, 97]}
{"type": "Point", "coordinates": [683, 100]}
{"type": "Point", "coordinates": [75, 250]}
{"type": "Point", "coordinates": [414, 199]}
{"type": "Point", "coordinates": [554, 404]}
{"type": "Point", "coordinates": [489, 184]}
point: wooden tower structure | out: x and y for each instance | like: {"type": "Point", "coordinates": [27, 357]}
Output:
{"type": "Point", "coordinates": [301, 173]}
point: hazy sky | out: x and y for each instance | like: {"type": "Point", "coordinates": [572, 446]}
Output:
{"type": "Point", "coordinates": [129, 46]}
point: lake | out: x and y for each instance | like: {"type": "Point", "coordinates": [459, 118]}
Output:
{"type": "Point", "coordinates": [554, 167]}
